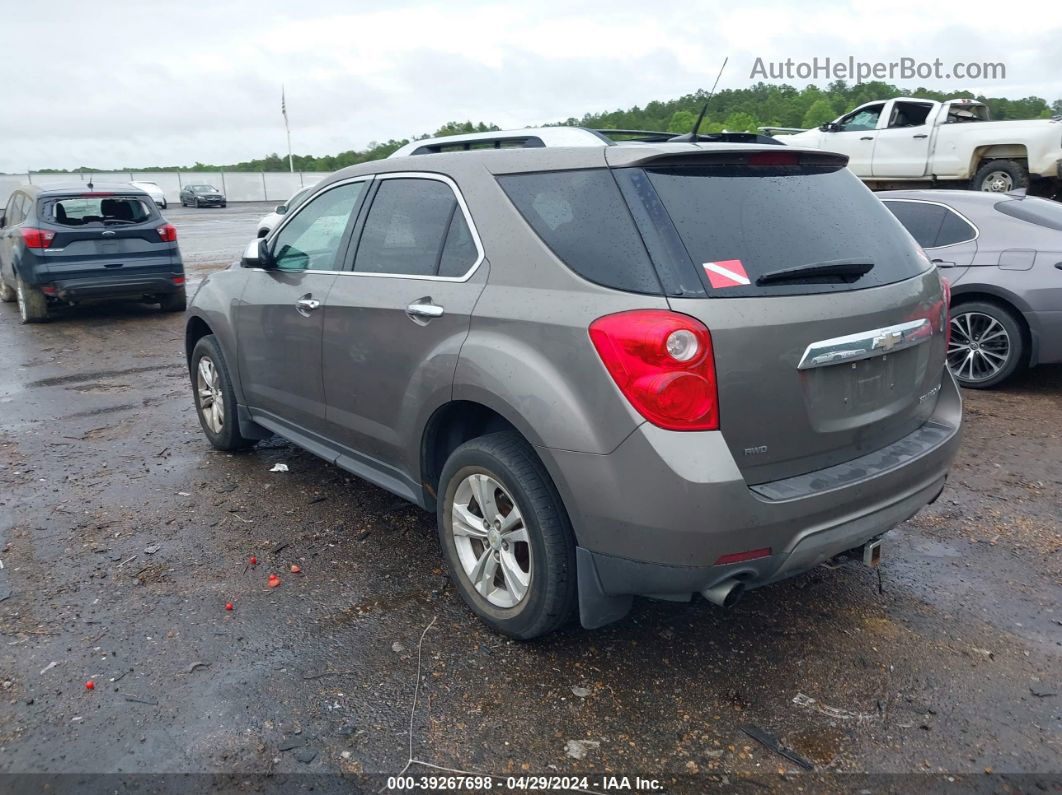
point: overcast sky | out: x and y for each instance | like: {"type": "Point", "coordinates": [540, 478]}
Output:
{"type": "Point", "coordinates": [145, 83]}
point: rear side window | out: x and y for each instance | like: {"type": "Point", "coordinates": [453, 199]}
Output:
{"type": "Point", "coordinates": [932, 225]}
{"type": "Point", "coordinates": [1034, 210]}
{"type": "Point", "coordinates": [79, 211]}
{"type": "Point", "coordinates": [582, 217]}
{"type": "Point", "coordinates": [415, 227]}
{"type": "Point", "coordinates": [751, 221]}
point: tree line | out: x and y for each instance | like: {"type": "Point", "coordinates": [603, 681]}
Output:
{"type": "Point", "coordinates": [734, 110]}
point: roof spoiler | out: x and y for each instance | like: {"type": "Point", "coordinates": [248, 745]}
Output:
{"type": "Point", "coordinates": [754, 157]}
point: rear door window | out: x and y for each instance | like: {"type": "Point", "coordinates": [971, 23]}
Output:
{"type": "Point", "coordinates": [931, 225]}
{"type": "Point", "coordinates": [415, 227]}
{"type": "Point", "coordinates": [82, 210]}
{"type": "Point", "coordinates": [583, 218]}
{"type": "Point", "coordinates": [754, 220]}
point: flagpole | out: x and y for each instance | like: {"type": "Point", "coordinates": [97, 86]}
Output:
{"type": "Point", "coordinates": [287, 128]}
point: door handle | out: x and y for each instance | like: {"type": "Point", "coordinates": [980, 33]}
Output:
{"type": "Point", "coordinates": [305, 305]}
{"type": "Point", "coordinates": [920, 135]}
{"type": "Point", "coordinates": [423, 310]}
{"type": "Point", "coordinates": [867, 138]}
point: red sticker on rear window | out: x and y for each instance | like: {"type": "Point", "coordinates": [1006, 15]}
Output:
{"type": "Point", "coordinates": [726, 273]}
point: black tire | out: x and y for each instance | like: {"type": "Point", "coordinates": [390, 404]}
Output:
{"type": "Point", "coordinates": [224, 205]}
{"type": "Point", "coordinates": [175, 301]}
{"type": "Point", "coordinates": [165, 204]}
{"type": "Point", "coordinates": [32, 305]}
{"type": "Point", "coordinates": [1000, 176]}
{"type": "Point", "coordinates": [7, 292]}
{"type": "Point", "coordinates": [197, 204]}
{"type": "Point", "coordinates": [974, 370]}
{"type": "Point", "coordinates": [228, 436]}
{"type": "Point", "coordinates": [550, 598]}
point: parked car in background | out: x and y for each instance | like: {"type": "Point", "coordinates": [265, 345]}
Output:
{"type": "Point", "coordinates": [1002, 255]}
{"type": "Point", "coordinates": [600, 394]}
{"type": "Point", "coordinates": [269, 222]}
{"type": "Point", "coordinates": [66, 245]}
{"type": "Point", "coordinates": [153, 190]}
{"type": "Point", "coordinates": [202, 196]}
{"type": "Point", "coordinates": [911, 140]}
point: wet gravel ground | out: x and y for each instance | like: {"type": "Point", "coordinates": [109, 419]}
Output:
{"type": "Point", "coordinates": [123, 536]}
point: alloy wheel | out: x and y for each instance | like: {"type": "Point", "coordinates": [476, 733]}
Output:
{"type": "Point", "coordinates": [211, 399]}
{"type": "Point", "coordinates": [491, 540]}
{"type": "Point", "coordinates": [979, 348]}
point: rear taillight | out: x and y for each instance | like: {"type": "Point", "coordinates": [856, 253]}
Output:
{"type": "Point", "coordinates": [37, 238]}
{"type": "Point", "coordinates": [168, 233]}
{"type": "Point", "coordinates": [177, 281]}
{"type": "Point", "coordinates": [945, 311]}
{"type": "Point", "coordinates": [663, 363]}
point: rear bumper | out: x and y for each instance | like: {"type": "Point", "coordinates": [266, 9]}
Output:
{"type": "Point", "coordinates": [117, 286]}
{"type": "Point", "coordinates": [654, 516]}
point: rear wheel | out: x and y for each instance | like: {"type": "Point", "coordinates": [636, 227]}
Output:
{"type": "Point", "coordinates": [174, 302]}
{"type": "Point", "coordinates": [986, 344]}
{"type": "Point", "coordinates": [32, 305]}
{"type": "Point", "coordinates": [1001, 176]}
{"type": "Point", "coordinates": [506, 536]}
{"type": "Point", "coordinates": [215, 399]}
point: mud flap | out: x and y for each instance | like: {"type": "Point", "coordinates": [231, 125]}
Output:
{"type": "Point", "coordinates": [596, 608]}
{"type": "Point", "coordinates": [249, 429]}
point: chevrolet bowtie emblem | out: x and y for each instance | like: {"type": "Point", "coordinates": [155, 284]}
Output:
{"type": "Point", "coordinates": [887, 342]}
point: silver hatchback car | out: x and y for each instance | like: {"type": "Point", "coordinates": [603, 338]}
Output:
{"type": "Point", "coordinates": [657, 369]}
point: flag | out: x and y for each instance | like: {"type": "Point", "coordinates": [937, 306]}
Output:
{"type": "Point", "coordinates": [283, 105]}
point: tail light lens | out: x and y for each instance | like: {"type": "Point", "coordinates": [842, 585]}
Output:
{"type": "Point", "coordinates": [168, 233]}
{"type": "Point", "coordinates": [37, 238]}
{"type": "Point", "coordinates": [663, 363]}
{"type": "Point", "coordinates": [945, 312]}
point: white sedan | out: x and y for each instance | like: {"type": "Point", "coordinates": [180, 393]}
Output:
{"type": "Point", "coordinates": [269, 222]}
{"type": "Point", "coordinates": [153, 190]}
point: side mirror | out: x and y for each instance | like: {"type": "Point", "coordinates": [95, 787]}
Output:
{"type": "Point", "coordinates": [280, 209]}
{"type": "Point", "coordinates": [829, 127]}
{"type": "Point", "coordinates": [257, 255]}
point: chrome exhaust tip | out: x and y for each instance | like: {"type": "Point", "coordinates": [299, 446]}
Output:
{"type": "Point", "coordinates": [726, 594]}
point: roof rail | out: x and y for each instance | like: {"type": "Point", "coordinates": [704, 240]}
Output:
{"type": "Point", "coordinates": [531, 137]}
{"type": "Point", "coordinates": [547, 137]}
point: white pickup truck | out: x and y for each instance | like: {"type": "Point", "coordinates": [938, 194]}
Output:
{"type": "Point", "coordinates": [902, 141]}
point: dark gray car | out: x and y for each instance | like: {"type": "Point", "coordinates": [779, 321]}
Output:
{"type": "Point", "coordinates": [69, 244]}
{"type": "Point", "coordinates": [1003, 258]}
{"type": "Point", "coordinates": [612, 370]}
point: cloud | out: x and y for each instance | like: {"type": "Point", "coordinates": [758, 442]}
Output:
{"type": "Point", "coordinates": [150, 85]}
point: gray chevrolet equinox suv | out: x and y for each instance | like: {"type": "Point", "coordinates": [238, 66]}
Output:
{"type": "Point", "coordinates": [657, 369]}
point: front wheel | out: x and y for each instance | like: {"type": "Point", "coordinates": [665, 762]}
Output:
{"type": "Point", "coordinates": [1001, 176]}
{"type": "Point", "coordinates": [215, 398]}
{"type": "Point", "coordinates": [32, 305]}
{"type": "Point", "coordinates": [197, 204]}
{"type": "Point", "coordinates": [506, 537]}
{"type": "Point", "coordinates": [986, 345]}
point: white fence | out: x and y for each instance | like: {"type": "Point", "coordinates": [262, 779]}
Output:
{"type": "Point", "coordinates": [238, 186]}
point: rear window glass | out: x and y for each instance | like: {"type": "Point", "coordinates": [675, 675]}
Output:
{"type": "Point", "coordinates": [1034, 210]}
{"type": "Point", "coordinates": [582, 217]}
{"type": "Point", "coordinates": [99, 210]}
{"type": "Point", "coordinates": [751, 221]}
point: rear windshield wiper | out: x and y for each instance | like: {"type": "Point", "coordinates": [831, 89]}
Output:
{"type": "Point", "coordinates": [117, 221]}
{"type": "Point", "coordinates": [846, 270]}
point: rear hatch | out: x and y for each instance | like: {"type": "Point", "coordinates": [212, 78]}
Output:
{"type": "Point", "coordinates": [100, 232]}
{"type": "Point", "coordinates": [841, 350]}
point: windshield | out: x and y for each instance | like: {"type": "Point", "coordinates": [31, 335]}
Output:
{"type": "Point", "coordinates": [203, 189]}
{"type": "Point", "coordinates": [82, 210]}
{"type": "Point", "coordinates": [1034, 210]}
